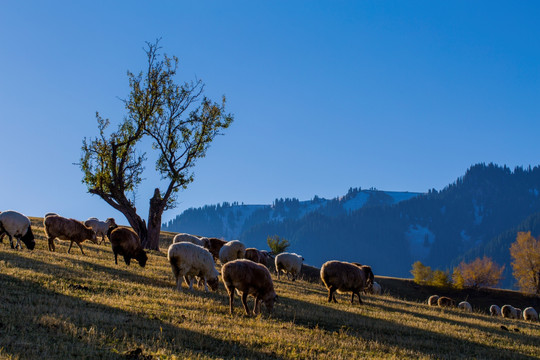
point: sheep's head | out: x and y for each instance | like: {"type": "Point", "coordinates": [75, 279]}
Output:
{"type": "Point", "coordinates": [28, 239]}
{"type": "Point", "coordinates": [213, 283]}
{"type": "Point", "coordinates": [93, 238]}
{"type": "Point", "coordinates": [141, 258]}
{"type": "Point", "coordinates": [269, 299]}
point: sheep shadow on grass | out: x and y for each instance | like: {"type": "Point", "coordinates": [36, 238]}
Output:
{"type": "Point", "coordinates": [44, 324]}
{"type": "Point", "coordinates": [364, 325]}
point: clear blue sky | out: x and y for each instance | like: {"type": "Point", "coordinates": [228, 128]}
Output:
{"type": "Point", "coordinates": [402, 95]}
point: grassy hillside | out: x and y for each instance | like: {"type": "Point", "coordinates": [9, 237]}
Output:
{"type": "Point", "coordinates": [59, 305]}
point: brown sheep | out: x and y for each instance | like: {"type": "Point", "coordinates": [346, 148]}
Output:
{"type": "Point", "coordinates": [67, 229]}
{"type": "Point", "coordinates": [259, 256]}
{"type": "Point", "coordinates": [126, 242]}
{"type": "Point", "coordinates": [445, 301]}
{"type": "Point", "coordinates": [344, 277]}
{"type": "Point", "coordinates": [432, 301]}
{"type": "Point", "coordinates": [249, 278]}
{"type": "Point", "coordinates": [214, 245]}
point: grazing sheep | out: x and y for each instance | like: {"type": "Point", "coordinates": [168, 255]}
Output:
{"type": "Point", "coordinates": [259, 256]}
{"type": "Point", "coordinates": [16, 225]}
{"type": "Point", "coordinates": [213, 245]}
{"type": "Point", "coordinates": [101, 227]}
{"type": "Point", "coordinates": [464, 305]}
{"type": "Point", "coordinates": [495, 310]}
{"type": "Point", "coordinates": [510, 312]}
{"type": "Point", "coordinates": [290, 263]}
{"type": "Point", "coordinates": [344, 277]}
{"type": "Point", "coordinates": [530, 314]}
{"type": "Point", "coordinates": [232, 250]}
{"type": "Point", "coordinates": [189, 260]}
{"type": "Point", "coordinates": [445, 301]}
{"type": "Point", "coordinates": [249, 278]}
{"type": "Point", "coordinates": [126, 242]}
{"type": "Point", "coordinates": [432, 301]}
{"type": "Point", "coordinates": [67, 229]}
{"type": "Point", "coordinates": [188, 238]}
{"type": "Point", "coordinates": [376, 289]}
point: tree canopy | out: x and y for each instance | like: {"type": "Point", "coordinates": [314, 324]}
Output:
{"type": "Point", "coordinates": [180, 122]}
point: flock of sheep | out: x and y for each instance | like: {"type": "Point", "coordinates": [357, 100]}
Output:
{"type": "Point", "coordinates": [244, 270]}
{"type": "Point", "coordinates": [507, 311]}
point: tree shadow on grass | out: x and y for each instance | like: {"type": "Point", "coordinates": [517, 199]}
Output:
{"type": "Point", "coordinates": [386, 332]}
{"type": "Point", "coordinates": [37, 323]}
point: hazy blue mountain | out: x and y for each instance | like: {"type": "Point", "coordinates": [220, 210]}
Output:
{"type": "Point", "coordinates": [388, 230]}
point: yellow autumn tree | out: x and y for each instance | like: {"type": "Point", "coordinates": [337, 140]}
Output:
{"type": "Point", "coordinates": [422, 274]}
{"type": "Point", "coordinates": [481, 272]}
{"type": "Point", "coordinates": [525, 252]}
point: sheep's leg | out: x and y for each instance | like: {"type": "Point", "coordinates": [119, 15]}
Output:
{"type": "Point", "coordinates": [70, 245]}
{"type": "Point", "coordinates": [186, 279]}
{"type": "Point", "coordinates": [11, 242]}
{"type": "Point", "coordinates": [244, 302]}
{"type": "Point", "coordinates": [80, 247]}
{"type": "Point", "coordinates": [51, 244]}
{"type": "Point", "coordinates": [257, 306]}
{"type": "Point", "coordinates": [331, 295]}
{"type": "Point", "coordinates": [231, 298]}
{"type": "Point", "coordinates": [116, 258]}
{"type": "Point", "coordinates": [359, 300]}
{"type": "Point", "coordinates": [191, 284]}
{"type": "Point", "coordinates": [205, 285]}
{"type": "Point", "coordinates": [293, 276]}
{"type": "Point", "coordinates": [179, 280]}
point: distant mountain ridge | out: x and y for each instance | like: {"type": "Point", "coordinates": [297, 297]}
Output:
{"type": "Point", "coordinates": [231, 220]}
{"type": "Point", "coordinates": [389, 230]}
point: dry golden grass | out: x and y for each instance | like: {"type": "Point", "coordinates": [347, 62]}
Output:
{"type": "Point", "coordinates": [59, 305]}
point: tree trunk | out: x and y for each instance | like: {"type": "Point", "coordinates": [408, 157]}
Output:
{"type": "Point", "coordinates": [138, 224]}
{"type": "Point", "coordinates": [154, 222]}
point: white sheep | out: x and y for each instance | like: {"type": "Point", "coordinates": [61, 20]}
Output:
{"type": "Point", "coordinates": [16, 225]}
{"type": "Point", "coordinates": [194, 239]}
{"type": "Point", "coordinates": [376, 288]}
{"type": "Point", "coordinates": [508, 311]}
{"type": "Point", "coordinates": [495, 310]}
{"type": "Point", "coordinates": [464, 305]}
{"type": "Point", "coordinates": [290, 263]}
{"type": "Point", "coordinates": [101, 227]}
{"type": "Point", "coordinates": [189, 260]}
{"type": "Point", "coordinates": [232, 250]}
{"type": "Point", "coordinates": [530, 314]}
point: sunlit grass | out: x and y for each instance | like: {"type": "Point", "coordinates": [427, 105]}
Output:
{"type": "Point", "coordinates": [59, 305]}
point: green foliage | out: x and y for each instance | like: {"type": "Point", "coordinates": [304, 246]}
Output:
{"type": "Point", "coordinates": [277, 245]}
{"type": "Point", "coordinates": [180, 123]}
{"type": "Point", "coordinates": [422, 274]}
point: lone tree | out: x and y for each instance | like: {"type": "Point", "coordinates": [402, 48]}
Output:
{"type": "Point", "coordinates": [525, 252]}
{"type": "Point", "coordinates": [180, 122]}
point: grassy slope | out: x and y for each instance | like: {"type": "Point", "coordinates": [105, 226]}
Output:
{"type": "Point", "coordinates": [59, 305]}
